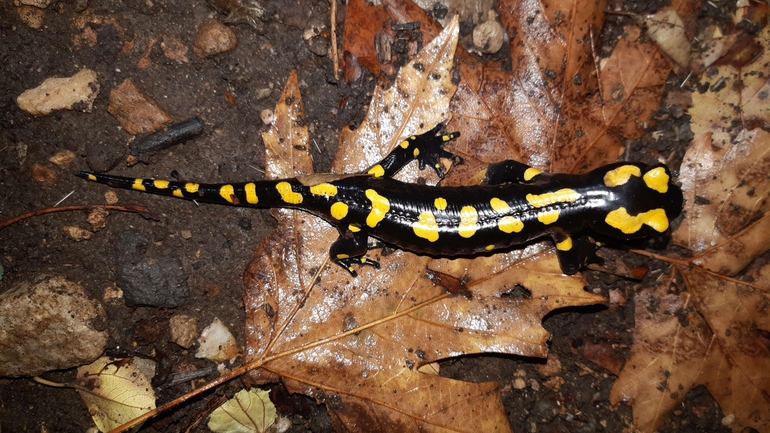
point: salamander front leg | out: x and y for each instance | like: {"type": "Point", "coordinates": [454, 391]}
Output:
{"type": "Point", "coordinates": [349, 249]}
{"type": "Point", "coordinates": [510, 171]}
{"type": "Point", "coordinates": [426, 148]}
{"type": "Point", "coordinates": [574, 253]}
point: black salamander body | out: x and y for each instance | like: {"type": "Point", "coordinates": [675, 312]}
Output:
{"type": "Point", "coordinates": [515, 204]}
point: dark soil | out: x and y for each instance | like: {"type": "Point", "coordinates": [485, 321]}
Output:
{"type": "Point", "coordinates": [213, 258]}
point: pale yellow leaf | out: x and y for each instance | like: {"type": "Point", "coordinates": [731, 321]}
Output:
{"type": "Point", "coordinates": [115, 391]}
{"type": "Point", "coordinates": [249, 411]}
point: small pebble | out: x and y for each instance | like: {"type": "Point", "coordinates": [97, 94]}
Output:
{"type": "Point", "coordinates": [519, 383]}
{"type": "Point", "coordinates": [184, 330]}
{"type": "Point", "coordinates": [62, 158]}
{"type": "Point", "coordinates": [136, 111]}
{"type": "Point", "coordinates": [76, 233]}
{"type": "Point", "coordinates": [78, 91]}
{"type": "Point", "coordinates": [213, 38]}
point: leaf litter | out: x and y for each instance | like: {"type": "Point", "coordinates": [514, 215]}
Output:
{"type": "Point", "coordinates": [715, 331]}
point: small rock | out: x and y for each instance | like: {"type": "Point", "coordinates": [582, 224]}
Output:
{"type": "Point", "coordinates": [213, 38]}
{"type": "Point", "coordinates": [148, 278]}
{"type": "Point", "coordinates": [267, 116]}
{"type": "Point", "coordinates": [76, 233]}
{"type": "Point", "coordinates": [69, 93]}
{"type": "Point", "coordinates": [217, 343]}
{"type": "Point", "coordinates": [98, 218]}
{"type": "Point", "coordinates": [186, 234]}
{"type": "Point", "coordinates": [42, 4]}
{"type": "Point", "coordinates": [136, 112]}
{"type": "Point", "coordinates": [184, 330]}
{"type": "Point", "coordinates": [62, 158]}
{"type": "Point", "coordinates": [43, 174]}
{"type": "Point", "coordinates": [262, 93]}
{"type": "Point", "coordinates": [112, 295]}
{"type": "Point", "coordinates": [31, 16]}
{"type": "Point", "coordinates": [48, 324]}
{"type": "Point", "coordinates": [519, 383]}
{"type": "Point", "coordinates": [488, 36]}
{"type": "Point", "coordinates": [110, 197]}
{"type": "Point", "coordinates": [174, 49]}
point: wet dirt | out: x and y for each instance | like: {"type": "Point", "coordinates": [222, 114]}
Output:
{"type": "Point", "coordinates": [212, 244]}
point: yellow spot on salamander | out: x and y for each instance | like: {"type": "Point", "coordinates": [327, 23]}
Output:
{"type": "Point", "coordinates": [440, 203]}
{"type": "Point", "coordinates": [657, 179]}
{"type": "Point", "coordinates": [509, 224]}
{"type": "Point", "coordinates": [380, 206]}
{"type": "Point", "coordinates": [447, 137]}
{"type": "Point", "coordinates": [160, 184]}
{"type": "Point", "coordinates": [227, 192]}
{"type": "Point", "coordinates": [192, 188]}
{"type": "Point", "coordinates": [468, 219]}
{"type": "Point", "coordinates": [530, 173]}
{"type": "Point", "coordinates": [621, 220]}
{"type": "Point", "coordinates": [137, 185]}
{"type": "Point", "coordinates": [426, 227]}
{"type": "Point", "coordinates": [287, 195]}
{"type": "Point", "coordinates": [499, 205]}
{"type": "Point", "coordinates": [325, 189]}
{"type": "Point", "coordinates": [251, 193]}
{"type": "Point", "coordinates": [377, 171]}
{"type": "Point", "coordinates": [564, 245]}
{"type": "Point", "coordinates": [177, 193]}
{"type": "Point", "coordinates": [91, 177]}
{"type": "Point", "coordinates": [620, 175]}
{"type": "Point", "coordinates": [549, 216]}
{"type": "Point", "coordinates": [416, 152]}
{"type": "Point", "coordinates": [564, 195]}
{"type": "Point", "coordinates": [404, 144]}
{"type": "Point", "coordinates": [489, 247]}
{"type": "Point", "coordinates": [354, 228]}
{"type": "Point", "coordinates": [339, 210]}
{"type": "Point", "coordinates": [343, 256]}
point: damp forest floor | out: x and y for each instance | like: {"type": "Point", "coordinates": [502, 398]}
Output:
{"type": "Point", "coordinates": [213, 243]}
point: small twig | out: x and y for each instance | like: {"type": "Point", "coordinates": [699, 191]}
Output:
{"type": "Point", "coordinates": [47, 210]}
{"type": "Point", "coordinates": [335, 60]}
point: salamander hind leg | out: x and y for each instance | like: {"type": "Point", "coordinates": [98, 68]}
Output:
{"type": "Point", "coordinates": [574, 253]}
{"type": "Point", "coordinates": [350, 249]}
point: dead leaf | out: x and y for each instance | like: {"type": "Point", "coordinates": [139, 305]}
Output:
{"type": "Point", "coordinates": [115, 392]}
{"type": "Point", "coordinates": [707, 336]}
{"type": "Point", "coordinates": [725, 188]}
{"type": "Point", "coordinates": [369, 379]}
{"type": "Point", "coordinates": [249, 411]}
{"type": "Point", "coordinates": [737, 98]}
{"type": "Point", "coordinates": [666, 28]}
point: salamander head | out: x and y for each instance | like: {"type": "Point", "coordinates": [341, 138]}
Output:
{"type": "Point", "coordinates": [644, 200]}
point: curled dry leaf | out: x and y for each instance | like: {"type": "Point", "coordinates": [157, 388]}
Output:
{"type": "Point", "coordinates": [249, 411]}
{"type": "Point", "coordinates": [396, 319]}
{"type": "Point", "coordinates": [115, 391]}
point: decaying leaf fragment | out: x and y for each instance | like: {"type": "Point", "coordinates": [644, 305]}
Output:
{"type": "Point", "coordinates": [249, 411]}
{"type": "Point", "coordinates": [115, 391]}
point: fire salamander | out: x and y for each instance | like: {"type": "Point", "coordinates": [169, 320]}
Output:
{"type": "Point", "coordinates": [514, 204]}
